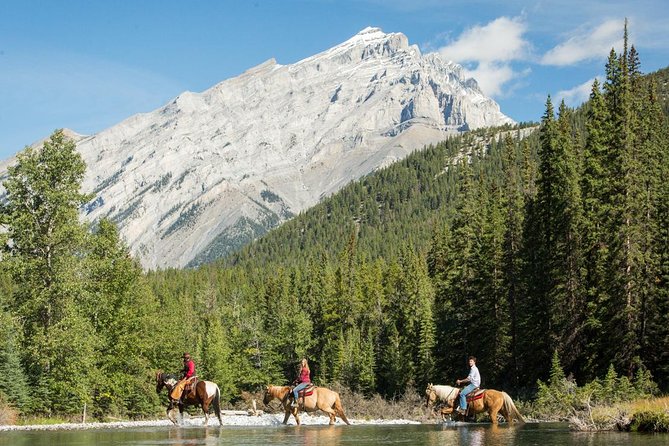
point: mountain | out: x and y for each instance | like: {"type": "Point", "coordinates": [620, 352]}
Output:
{"type": "Point", "coordinates": [211, 171]}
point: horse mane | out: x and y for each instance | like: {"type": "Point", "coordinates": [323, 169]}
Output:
{"type": "Point", "coordinates": [445, 393]}
{"type": "Point", "coordinates": [162, 376]}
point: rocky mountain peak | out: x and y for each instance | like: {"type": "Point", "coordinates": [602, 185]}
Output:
{"type": "Point", "coordinates": [211, 171]}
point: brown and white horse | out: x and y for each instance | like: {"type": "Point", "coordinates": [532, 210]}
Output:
{"type": "Point", "coordinates": [489, 400]}
{"type": "Point", "coordinates": [206, 393]}
{"type": "Point", "coordinates": [321, 399]}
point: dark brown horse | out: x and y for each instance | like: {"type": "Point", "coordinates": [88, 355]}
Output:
{"type": "Point", "coordinates": [206, 393]}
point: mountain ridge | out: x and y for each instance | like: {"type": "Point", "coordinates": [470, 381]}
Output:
{"type": "Point", "coordinates": [208, 172]}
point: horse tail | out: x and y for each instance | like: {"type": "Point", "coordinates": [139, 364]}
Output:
{"type": "Point", "coordinates": [217, 405]}
{"type": "Point", "coordinates": [511, 408]}
{"type": "Point", "coordinates": [339, 409]}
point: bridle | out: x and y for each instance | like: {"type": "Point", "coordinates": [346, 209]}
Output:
{"type": "Point", "coordinates": [273, 397]}
{"type": "Point", "coordinates": [448, 397]}
{"type": "Point", "coordinates": [434, 393]}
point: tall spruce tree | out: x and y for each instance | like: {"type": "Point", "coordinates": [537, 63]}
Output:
{"type": "Point", "coordinates": [567, 317]}
{"type": "Point", "coordinates": [513, 201]}
{"type": "Point", "coordinates": [535, 343]}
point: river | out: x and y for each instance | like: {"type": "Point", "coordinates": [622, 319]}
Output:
{"type": "Point", "coordinates": [544, 434]}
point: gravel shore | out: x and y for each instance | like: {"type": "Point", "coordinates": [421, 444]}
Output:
{"type": "Point", "coordinates": [228, 420]}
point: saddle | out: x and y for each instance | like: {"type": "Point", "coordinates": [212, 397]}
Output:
{"type": "Point", "coordinates": [474, 395]}
{"type": "Point", "coordinates": [189, 387]}
{"type": "Point", "coordinates": [307, 391]}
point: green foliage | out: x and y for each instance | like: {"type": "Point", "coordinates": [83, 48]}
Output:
{"type": "Point", "coordinates": [649, 422]}
{"type": "Point", "coordinates": [13, 382]}
{"type": "Point", "coordinates": [561, 398]}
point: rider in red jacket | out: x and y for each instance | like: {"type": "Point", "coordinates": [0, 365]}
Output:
{"type": "Point", "coordinates": [188, 372]}
{"type": "Point", "coordinates": [189, 367]}
{"type": "Point", "coordinates": [304, 380]}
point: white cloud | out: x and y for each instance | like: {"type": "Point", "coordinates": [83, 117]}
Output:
{"type": "Point", "coordinates": [577, 95]}
{"type": "Point", "coordinates": [499, 41]}
{"type": "Point", "coordinates": [491, 76]}
{"type": "Point", "coordinates": [590, 44]}
{"type": "Point", "coordinates": [491, 48]}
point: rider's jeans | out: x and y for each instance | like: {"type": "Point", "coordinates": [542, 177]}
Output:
{"type": "Point", "coordinates": [463, 395]}
{"type": "Point", "coordinates": [297, 388]}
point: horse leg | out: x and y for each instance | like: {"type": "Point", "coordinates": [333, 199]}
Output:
{"type": "Point", "coordinates": [339, 410]}
{"type": "Point", "coordinates": [493, 410]}
{"type": "Point", "coordinates": [493, 415]}
{"type": "Point", "coordinates": [297, 417]}
{"type": "Point", "coordinates": [170, 413]}
{"type": "Point", "coordinates": [181, 412]}
{"type": "Point", "coordinates": [330, 412]}
{"type": "Point", "coordinates": [287, 414]}
{"type": "Point", "coordinates": [205, 409]}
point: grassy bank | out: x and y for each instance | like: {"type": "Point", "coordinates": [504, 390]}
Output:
{"type": "Point", "coordinates": [641, 415]}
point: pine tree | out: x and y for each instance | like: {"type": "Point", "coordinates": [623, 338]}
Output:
{"type": "Point", "coordinates": [538, 247]}
{"type": "Point", "coordinates": [513, 200]}
{"type": "Point", "coordinates": [596, 189]}
{"type": "Point", "coordinates": [566, 298]}
{"type": "Point", "coordinates": [13, 382]}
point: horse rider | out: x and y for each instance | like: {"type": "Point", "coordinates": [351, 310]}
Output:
{"type": "Point", "coordinates": [303, 381]}
{"type": "Point", "coordinates": [187, 373]}
{"type": "Point", "coordinates": [473, 381]}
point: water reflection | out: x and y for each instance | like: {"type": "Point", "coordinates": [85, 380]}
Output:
{"type": "Point", "coordinates": [449, 434]}
{"type": "Point", "coordinates": [472, 434]}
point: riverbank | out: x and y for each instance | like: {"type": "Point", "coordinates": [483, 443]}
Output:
{"type": "Point", "coordinates": [188, 421]}
{"type": "Point", "coordinates": [641, 415]}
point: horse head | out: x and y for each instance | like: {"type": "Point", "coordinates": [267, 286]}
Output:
{"type": "Point", "coordinates": [267, 397]}
{"type": "Point", "coordinates": [164, 380]}
{"type": "Point", "coordinates": [160, 383]}
{"type": "Point", "coordinates": [430, 394]}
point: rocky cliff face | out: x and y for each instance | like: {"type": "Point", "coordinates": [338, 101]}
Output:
{"type": "Point", "coordinates": [210, 171]}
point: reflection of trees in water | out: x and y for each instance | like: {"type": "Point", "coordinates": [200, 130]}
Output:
{"type": "Point", "coordinates": [490, 435]}
{"type": "Point", "coordinates": [321, 435]}
{"type": "Point", "coordinates": [469, 434]}
{"type": "Point", "coordinates": [193, 436]}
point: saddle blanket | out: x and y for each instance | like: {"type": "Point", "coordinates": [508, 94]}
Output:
{"type": "Point", "coordinates": [475, 395]}
{"type": "Point", "coordinates": [306, 391]}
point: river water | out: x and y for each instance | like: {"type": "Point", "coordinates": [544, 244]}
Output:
{"type": "Point", "coordinates": [530, 434]}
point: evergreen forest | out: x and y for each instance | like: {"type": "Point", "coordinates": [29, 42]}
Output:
{"type": "Point", "coordinates": [516, 245]}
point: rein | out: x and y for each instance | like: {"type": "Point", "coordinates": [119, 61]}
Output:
{"type": "Point", "coordinates": [449, 395]}
{"type": "Point", "coordinates": [276, 397]}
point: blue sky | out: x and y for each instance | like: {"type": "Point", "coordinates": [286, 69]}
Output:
{"type": "Point", "coordinates": [87, 65]}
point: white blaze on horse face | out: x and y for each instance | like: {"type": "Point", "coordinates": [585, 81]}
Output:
{"type": "Point", "coordinates": [171, 382]}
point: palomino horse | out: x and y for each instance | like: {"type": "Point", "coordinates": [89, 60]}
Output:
{"type": "Point", "coordinates": [204, 394]}
{"type": "Point", "coordinates": [321, 399]}
{"type": "Point", "coordinates": [491, 401]}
